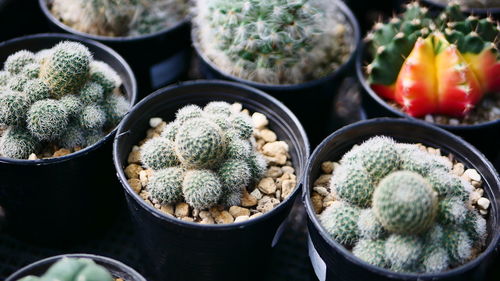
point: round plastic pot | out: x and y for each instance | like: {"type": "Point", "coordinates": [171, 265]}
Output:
{"type": "Point", "coordinates": [158, 58]}
{"type": "Point", "coordinates": [179, 250]}
{"type": "Point", "coordinates": [311, 101]}
{"type": "Point", "coordinates": [483, 136]}
{"type": "Point", "coordinates": [116, 268]}
{"type": "Point", "coordinates": [334, 262]}
{"type": "Point", "coordinates": [63, 199]}
{"type": "Point", "coordinates": [481, 12]}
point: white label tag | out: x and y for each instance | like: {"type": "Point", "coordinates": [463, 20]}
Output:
{"type": "Point", "coordinates": [317, 262]}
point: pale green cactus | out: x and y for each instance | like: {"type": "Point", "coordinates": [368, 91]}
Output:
{"type": "Point", "coordinates": [202, 189]}
{"type": "Point", "coordinates": [158, 153]}
{"type": "Point", "coordinates": [166, 185]}
{"type": "Point", "coordinates": [47, 120]}
{"type": "Point", "coordinates": [73, 269]}
{"type": "Point", "coordinates": [371, 251]}
{"type": "Point", "coordinates": [341, 221]}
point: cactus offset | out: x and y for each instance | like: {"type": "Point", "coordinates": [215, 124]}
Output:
{"type": "Point", "coordinates": [166, 185]}
{"type": "Point", "coordinates": [73, 269]}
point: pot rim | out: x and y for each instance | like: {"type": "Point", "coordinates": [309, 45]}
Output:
{"type": "Point", "coordinates": [53, 259]}
{"type": "Point", "coordinates": [288, 87]}
{"type": "Point", "coordinates": [306, 198]}
{"type": "Point", "coordinates": [192, 225]}
{"type": "Point", "coordinates": [95, 146]}
{"type": "Point", "coordinates": [480, 11]}
{"type": "Point", "coordinates": [108, 39]}
{"type": "Point", "coordinates": [366, 87]}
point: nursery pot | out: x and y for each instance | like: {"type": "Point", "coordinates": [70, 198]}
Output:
{"type": "Point", "coordinates": [180, 250]}
{"type": "Point", "coordinates": [481, 12]}
{"type": "Point", "coordinates": [483, 136]}
{"type": "Point", "coordinates": [367, 12]}
{"type": "Point", "coordinates": [158, 59]}
{"type": "Point", "coordinates": [332, 261]}
{"type": "Point", "coordinates": [116, 268]}
{"type": "Point", "coordinates": [63, 199]}
{"type": "Point", "coordinates": [311, 101]}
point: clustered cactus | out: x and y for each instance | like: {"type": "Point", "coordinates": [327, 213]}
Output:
{"type": "Point", "coordinates": [119, 17]}
{"type": "Point", "coordinates": [275, 41]}
{"type": "Point", "coordinates": [443, 65]}
{"type": "Point", "coordinates": [73, 269]}
{"type": "Point", "coordinates": [482, 4]}
{"type": "Point", "coordinates": [204, 157]}
{"type": "Point", "coordinates": [57, 96]}
{"type": "Point", "coordinates": [401, 208]}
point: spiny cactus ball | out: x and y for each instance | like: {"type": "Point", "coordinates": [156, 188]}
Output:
{"type": "Point", "coordinates": [158, 153]}
{"type": "Point", "coordinates": [13, 108]}
{"type": "Point", "coordinates": [218, 108]}
{"type": "Point", "coordinates": [371, 251]}
{"type": "Point", "coordinates": [403, 252]}
{"type": "Point", "coordinates": [36, 90]}
{"type": "Point", "coordinates": [74, 269]}
{"type": "Point", "coordinates": [47, 120]}
{"type": "Point", "coordinates": [72, 104]}
{"type": "Point", "coordinates": [91, 93]}
{"type": "Point", "coordinates": [166, 185]}
{"type": "Point", "coordinates": [451, 211]}
{"type": "Point", "coordinates": [92, 117]}
{"type": "Point", "coordinates": [234, 174]}
{"type": "Point", "coordinates": [31, 71]}
{"type": "Point", "coordinates": [202, 188]}
{"type": "Point", "coordinates": [17, 61]}
{"type": "Point", "coordinates": [170, 131]}
{"type": "Point", "coordinates": [458, 245]}
{"type": "Point", "coordinates": [4, 78]}
{"type": "Point", "coordinates": [18, 143]}
{"type": "Point", "coordinates": [187, 113]}
{"type": "Point", "coordinates": [353, 184]}
{"type": "Point", "coordinates": [369, 226]}
{"type": "Point", "coordinates": [340, 221]}
{"type": "Point", "coordinates": [102, 74]}
{"type": "Point", "coordinates": [435, 259]}
{"type": "Point", "coordinates": [115, 106]}
{"type": "Point", "coordinates": [17, 83]}
{"type": "Point", "coordinates": [67, 68]}
{"type": "Point", "coordinates": [74, 136]}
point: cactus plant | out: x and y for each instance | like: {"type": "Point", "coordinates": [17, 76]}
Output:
{"type": "Point", "coordinates": [18, 143]}
{"type": "Point", "coordinates": [73, 269]}
{"type": "Point", "coordinates": [119, 17]}
{"type": "Point", "coordinates": [59, 96]}
{"type": "Point", "coordinates": [443, 65]}
{"type": "Point", "coordinates": [274, 42]}
{"type": "Point", "coordinates": [219, 163]}
{"type": "Point", "coordinates": [419, 211]}
{"type": "Point", "coordinates": [482, 4]}
{"type": "Point", "coordinates": [166, 185]}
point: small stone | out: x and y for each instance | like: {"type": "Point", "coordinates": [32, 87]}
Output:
{"type": "Point", "coordinates": [205, 214]}
{"type": "Point", "coordinates": [132, 171]}
{"type": "Point", "coordinates": [274, 172]}
{"type": "Point", "coordinates": [237, 211]}
{"type": "Point", "coordinates": [155, 122]}
{"type": "Point", "coordinates": [317, 202]}
{"type": "Point", "coordinates": [134, 157]}
{"type": "Point", "coordinates": [256, 215]}
{"type": "Point", "coordinates": [214, 212]}
{"type": "Point", "coordinates": [429, 118]}
{"type": "Point", "coordinates": [454, 122]}
{"type": "Point", "coordinates": [287, 187]}
{"type": "Point", "coordinates": [144, 195]}
{"type": "Point", "coordinates": [259, 120]}
{"type": "Point", "coordinates": [483, 212]}
{"type": "Point", "coordinates": [474, 197]}
{"type": "Point", "coordinates": [330, 197]}
{"type": "Point", "coordinates": [321, 190]}
{"type": "Point", "coordinates": [189, 219]}
{"type": "Point", "coordinates": [266, 204]}
{"type": "Point", "coordinates": [480, 191]}
{"type": "Point", "coordinates": [327, 167]}
{"type": "Point", "coordinates": [473, 174]}
{"type": "Point", "coordinates": [256, 193]}
{"type": "Point", "coordinates": [248, 200]}
{"type": "Point", "coordinates": [267, 186]}
{"type": "Point", "coordinates": [288, 170]}
{"type": "Point", "coordinates": [483, 203]}
{"type": "Point", "coordinates": [276, 160]}
{"type": "Point", "coordinates": [135, 184]}
{"type": "Point", "coordinates": [241, 218]}
{"type": "Point", "coordinates": [275, 148]}
{"type": "Point", "coordinates": [323, 180]}
{"type": "Point", "coordinates": [32, 157]}
{"type": "Point", "coordinates": [236, 107]}
{"type": "Point", "coordinates": [476, 184]}
{"type": "Point", "coordinates": [181, 210]}
{"type": "Point", "coordinates": [167, 209]}
{"type": "Point", "coordinates": [224, 217]}
{"type": "Point", "coordinates": [246, 112]}
{"type": "Point", "coordinates": [209, 220]}
{"type": "Point", "coordinates": [61, 152]}
{"type": "Point", "coordinates": [144, 177]}
{"type": "Point", "coordinates": [458, 169]}
{"type": "Point", "coordinates": [268, 135]}
{"type": "Point", "coordinates": [195, 213]}
{"type": "Point", "coordinates": [277, 195]}
{"type": "Point", "coordinates": [327, 204]}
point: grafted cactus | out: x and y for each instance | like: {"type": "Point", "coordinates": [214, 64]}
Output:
{"type": "Point", "coordinates": [73, 269]}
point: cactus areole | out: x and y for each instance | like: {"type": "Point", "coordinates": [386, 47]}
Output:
{"type": "Point", "coordinates": [442, 65]}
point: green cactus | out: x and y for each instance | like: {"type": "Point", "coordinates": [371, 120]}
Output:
{"type": "Point", "coordinates": [166, 185]}
{"type": "Point", "coordinates": [72, 104]}
{"type": "Point", "coordinates": [115, 107]}
{"type": "Point", "coordinates": [341, 221]}
{"type": "Point", "coordinates": [17, 83]}
{"type": "Point", "coordinates": [221, 121]}
{"type": "Point", "coordinates": [218, 108]}
{"type": "Point", "coordinates": [73, 269]}
{"type": "Point", "coordinates": [13, 108]}
{"type": "Point", "coordinates": [4, 77]}
{"type": "Point", "coordinates": [475, 226]}
{"type": "Point", "coordinates": [36, 90]}
{"type": "Point", "coordinates": [17, 143]}
{"type": "Point", "coordinates": [67, 68]}
{"type": "Point", "coordinates": [451, 211]}
{"type": "Point", "coordinates": [92, 117]}
{"type": "Point", "coordinates": [237, 147]}
{"type": "Point", "coordinates": [353, 184]}
{"type": "Point", "coordinates": [258, 165]}
{"type": "Point", "coordinates": [402, 252]}
{"type": "Point", "coordinates": [158, 153]}
{"type": "Point", "coordinates": [94, 137]}
{"type": "Point", "coordinates": [447, 184]}
{"type": "Point", "coordinates": [232, 198]}
{"type": "Point", "coordinates": [369, 226]}
{"type": "Point", "coordinates": [91, 93]}
{"type": "Point", "coordinates": [47, 120]}
{"type": "Point", "coordinates": [202, 189]}
{"type": "Point", "coordinates": [434, 259]}
{"type": "Point", "coordinates": [187, 113]}
{"type": "Point", "coordinates": [458, 244]}
{"type": "Point", "coordinates": [371, 251]}
{"type": "Point", "coordinates": [17, 61]}
{"type": "Point", "coordinates": [170, 131]}
{"type": "Point", "coordinates": [273, 42]}
{"type": "Point", "coordinates": [234, 174]}
{"type": "Point", "coordinates": [73, 136]}
{"type": "Point", "coordinates": [31, 71]}
{"type": "Point", "coordinates": [102, 74]}
{"type": "Point", "coordinates": [243, 125]}
{"type": "Point", "coordinates": [405, 203]}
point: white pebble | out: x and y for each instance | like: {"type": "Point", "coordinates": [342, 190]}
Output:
{"type": "Point", "coordinates": [483, 203]}
{"type": "Point", "coordinates": [472, 174]}
{"type": "Point", "coordinates": [241, 218]}
{"type": "Point", "coordinates": [259, 120]}
{"type": "Point", "coordinates": [155, 122]}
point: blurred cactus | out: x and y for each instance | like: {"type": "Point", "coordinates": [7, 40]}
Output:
{"type": "Point", "coordinates": [73, 269]}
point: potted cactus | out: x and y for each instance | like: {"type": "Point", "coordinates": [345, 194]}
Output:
{"type": "Point", "coordinates": [211, 179]}
{"type": "Point", "coordinates": [60, 100]}
{"type": "Point", "coordinates": [131, 27]}
{"type": "Point", "coordinates": [76, 267]}
{"type": "Point", "coordinates": [412, 203]}
{"type": "Point", "coordinates": [286, 48]}
{"type": "Point", "coordinates": [442, 70]}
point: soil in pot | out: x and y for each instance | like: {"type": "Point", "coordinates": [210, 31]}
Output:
{"type": "Point", "coordinates": [371, 203]}
{"type": "Point", "coordinates": [250, 175]}
{"type": "Point", "coordinates": [57, 101]}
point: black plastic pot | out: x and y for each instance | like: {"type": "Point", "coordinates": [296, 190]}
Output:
{"type": "Point", "coordinates": [179, 250]}
{"type": "Point", "coordinates": [116, 268]}
{"type": "Point", "coordinates": [158, 58]}
{"type": "Point", "coordinates": [367, 12]}
{"type": "Point", "coordinates": [481, 12]}
{"type": "Point", "coordinates": [63, 199]}
{"type": "Point", "coordinates": [311, 101]}
{"type": "Point", "coordinates": [334, 262]}
{"type": "Point", "coordinates": [483, 136]}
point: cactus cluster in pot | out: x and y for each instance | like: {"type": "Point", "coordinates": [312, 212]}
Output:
{"type": "Point", "coordinates": [205, 157]}
{"type": "Point", "coordinates": [401, 208]}
{"type": "Point", "coordinates": [435, 65]}
{"type": "Point", "coordinates": [119, 17]}
{"type": "Point", "coordinates": [58, 96]}
{"type": "Point", "coordinates": [73, 269]}
{"type": "Point", "coordinates": [275, 41]}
